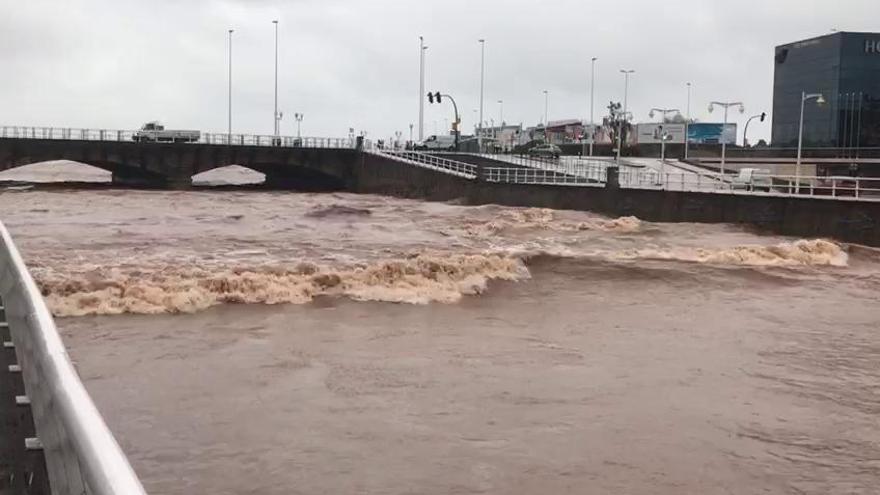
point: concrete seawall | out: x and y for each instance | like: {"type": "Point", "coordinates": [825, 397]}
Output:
{"type": "Point", "coordinates": [844, 220]}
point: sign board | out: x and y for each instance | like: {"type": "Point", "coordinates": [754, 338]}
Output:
{"type": "Point", "coordinates": [702, 133]}
{"type": "Point", "coordinates": [652, 133]}
{"type": "Point", "coordinates": [872, 46]}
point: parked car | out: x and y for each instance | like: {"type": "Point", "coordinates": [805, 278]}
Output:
{"type": "Point", "coordinates": [546, 151]}
{"type": "Point", "coordinates": [437, 143]}
{"type": "Point", "coordinates": [752, 179]}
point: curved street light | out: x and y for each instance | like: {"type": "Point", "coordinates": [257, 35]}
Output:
{"type": "Point", "coordinates": [727, 106]}
{"type": "Point", "coordinates": [820, 100]}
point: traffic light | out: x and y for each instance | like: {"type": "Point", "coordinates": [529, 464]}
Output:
{"type": "Point", "coordinates": [763, 116]}
{"type": "Point", "coordinates": [437, 97]}
{"type": "Point", "coordinates": [430, 97]}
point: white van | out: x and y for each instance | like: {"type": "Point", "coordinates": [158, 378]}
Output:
{"type": "Point", "coordinates": [437, 143]}
{"type": "Point", "coordinates": [752, 179]}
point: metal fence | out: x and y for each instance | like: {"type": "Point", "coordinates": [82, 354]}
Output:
{"type": "Point", "coordinates": [73, 134]}
{"type": "Point", "coordinates": [82, 457]}
{"type": "Point", "coordinates": [541, 176]}
{"type": "Point", "coordinates": [854, 188]}
{"type": "Point", "coordinates": [430, 161]}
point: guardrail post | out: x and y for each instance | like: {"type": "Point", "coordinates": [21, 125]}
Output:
{"type": "Point", "coordinates": [613, 178]}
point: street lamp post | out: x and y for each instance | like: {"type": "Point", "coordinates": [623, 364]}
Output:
{"type": "Point", "coordinates": [687, 124]}
{"type": "Point", "coordinates": [277, 116]}
{"type": "Point", "coordinates": [299, 118]}
{"type": "Point", "coordinates": [626, 74]}
{"type": "Point", "coordinates": [726, 106]}
{"type": "Point", "coordinates": [663, 134]}
{"type": "Point", "coordinates": [229, 135]}
{"type": "Point", "coordinates": [422, 49]}
{"type": "Point", "coordinates": [501, 112]}
{"type": "Point", "coordinates": [820, 100]}
{"type": "Point", "coordinates": [546, 115]}
{"type": "Point", "coordinates": [482, 78]}
{"type": "Point", "coordinates": [592, 100]}
{"type": "Point", "coordinates": [410, 133]}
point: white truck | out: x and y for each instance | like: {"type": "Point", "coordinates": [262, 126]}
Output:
{"type": "Point", "coordinates": [154, 132]}
{"type": "Point", "coordinates": [437, 143]}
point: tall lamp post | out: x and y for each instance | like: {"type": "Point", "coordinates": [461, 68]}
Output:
{"type": "Point", "coordinates": [277, 115]}
{"type": "Point", "coordinates": [229, 135]}
{"type": "Point", "coordinates": [482, 77]}
{"type": "Point", "coordinates": [299, 118]}
{"type": "Point", "coordinates": [501, 112]}
{"type": "Point", "coordinates": [820, 100]}
{"type": "Point", "coordinates": [726, 106]}
{"type": "Point", "coordinates": [626, 74]}
{"type": "Point", "coordinates": [546, 116]}
{"type": "Point", "coordinates": [663, 134]}
{"type": "Point", "coordinates": [422, 49]}
{"type": "Point", "coordinates": [687, 124]}
{"type": "Point", "coordinates": [592, 100]}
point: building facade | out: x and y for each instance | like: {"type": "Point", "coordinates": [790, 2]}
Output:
{"type": "Point", "coordinates": [845, 68]}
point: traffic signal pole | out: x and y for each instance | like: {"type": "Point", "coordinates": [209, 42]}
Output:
{"type": "Point", "coordinates": [457, 122]}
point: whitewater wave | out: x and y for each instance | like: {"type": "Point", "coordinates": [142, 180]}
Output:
{"type": "Point", "coordinates": [419, 279]}
{"type": "Point", "coordinates": [545, 219]}
{"type": "Point", "coordinates": [816, 252]}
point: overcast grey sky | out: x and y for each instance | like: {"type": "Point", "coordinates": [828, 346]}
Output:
{"type": "Point", "coordinates": [354, 63]}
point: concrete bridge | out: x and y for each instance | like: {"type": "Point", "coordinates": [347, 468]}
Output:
{"type": "Point", "coordinates": [296, 163]}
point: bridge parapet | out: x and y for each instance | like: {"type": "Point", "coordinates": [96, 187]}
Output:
{"type": "Point", "coordinates": [220, 139]}
{"type": "Point", "coordinates": [81, 455]}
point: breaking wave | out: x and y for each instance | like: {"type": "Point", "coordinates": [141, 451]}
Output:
{"type": "Point", "coordinates": [420, 279]}
{"type": "Point", "coordinates": [818, 252]}
{"type": "Point", "coordinates": [417, 279]}
{"type": "Point", "coordinates": [545, 219]}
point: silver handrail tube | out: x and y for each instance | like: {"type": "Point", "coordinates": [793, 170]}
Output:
{"type": "Point", "coordinates": [82, 456]}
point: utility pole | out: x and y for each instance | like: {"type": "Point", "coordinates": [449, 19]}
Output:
{"type": "Point", "coordinates": [726, 106]}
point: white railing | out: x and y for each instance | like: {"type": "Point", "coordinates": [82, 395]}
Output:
{"type": "Point", "coordinates": [73, 134]}
{"type": "Point", "coordinates": [858, 188]}
{"type": "Point", "coordinates": [540, 176]}
{"type": "Point", "coordinates": [82, 457]}
{"type": "Point", "coordinates": [425, 160]}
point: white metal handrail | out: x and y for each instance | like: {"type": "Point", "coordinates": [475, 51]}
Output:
{"type": "Point", "coordinates": [74, 134]}
{"type": "Point", "coordinates": [82, 457]}
{"type": "Point", "coordinates": [540, 176]}
{"type": "Point", "coordinates": [426, 160]}
{"type": "Point", "coordinates": [858, 188]}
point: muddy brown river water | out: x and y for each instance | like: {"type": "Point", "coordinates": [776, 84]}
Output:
{"type": "Point", "coordinates": [279, 343]}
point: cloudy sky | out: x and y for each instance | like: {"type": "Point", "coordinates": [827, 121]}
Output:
{"type": "Point", "coordinates": [354, 63]}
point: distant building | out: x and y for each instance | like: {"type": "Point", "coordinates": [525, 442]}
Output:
{"type": "Point", "coordinates": [845, 68]}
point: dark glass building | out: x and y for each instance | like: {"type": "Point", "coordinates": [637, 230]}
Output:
{"type": "Point", "coordinates": [845, 68]}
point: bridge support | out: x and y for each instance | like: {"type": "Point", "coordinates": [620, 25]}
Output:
{"type": "Point", "coordinates": [124, 177]}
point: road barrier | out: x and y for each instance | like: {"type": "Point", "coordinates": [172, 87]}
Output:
{"type": "Point", "coordinates": [81, 455]}
{"type": "Point", "coordinates": [224, 139]}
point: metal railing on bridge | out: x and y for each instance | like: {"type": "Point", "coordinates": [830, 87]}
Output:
{"type": "Point", "coordinates": [834, 187]}
{"type": "Point", "coordinates": [595, 178]}
{"type": "Point", "coordinates": [75, 134]}
{"type": "Point", "coordinates": [81, 455]}
{"type": "Point", "coordinates": [425, 160]}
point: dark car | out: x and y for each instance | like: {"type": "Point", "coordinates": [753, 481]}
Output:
{"type": "Point", "coordinates": [546, 151]}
